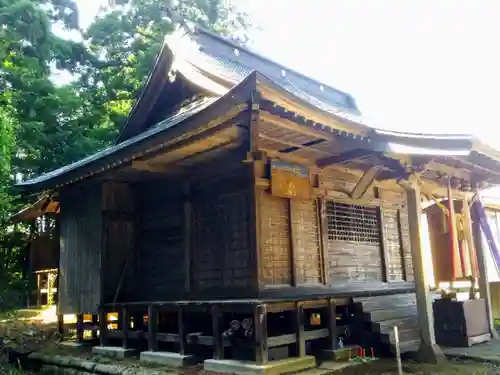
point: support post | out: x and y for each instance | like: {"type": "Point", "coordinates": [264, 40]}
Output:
{"type": "Point", "coordinates": [188, 214]}
{"type": "Point", "coordinates": [103, 326]}
{"type": "Point", "coordinates": [216, 333]}
{"type": "Point", "coordinates": [79, 327]}
{"type": "Point", "coordinates": [38, 290]}
{"type": "Point", "coordinates": [152, 328]}
{"type": "Point", "coordinates": [260, 334]}
{"type": "Point", "coordinates": [181, 330]}
{"type": "Point", "coordinates": [293, 265]}
{"type": "Point", "coordinates": [125, 325]}
{"type": "Point", "coordinates": [429, 351]}
{"type": "Point", "coordinates": [469, 238]}
{"type": "Point", "coordinates": [299, 329]}
{"type": "Point", "coordinates": [94, 326]}
{"type": "Point", "coordinates": [484, 285]}
{"type": "Point", "coordinates": [60, 325]}
{"type": "Point", "coordinates": [255, 164]}
{"type": "Point", "coordinates": [332, 324]}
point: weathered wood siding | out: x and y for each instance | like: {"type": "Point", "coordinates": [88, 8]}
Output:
{"type": "Point", "coordinates": [81, 249]}
{"type": "Point", "coordinates": [353, 243]}
{"type": "Point", "coordinates": [346, 241]}
{"type": "Point", "coordinates": [275, 250]}
{"type": "Point", "coordinates": [405, 242]}
{"type": "Point", "coordinates": [290, 241]}
{"type": "Point", "coordinates": [393, 242]}
{"type": "Point", "coordinates": [159, 266]}
{"type": "Point", "coordinates": [118, 241]}
{"type": "Point", "coordinates": [306, 242]}
{"type": "Point", "coordinates": [221, 257]}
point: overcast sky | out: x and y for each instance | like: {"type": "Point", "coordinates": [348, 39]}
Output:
{"type": "Point", "coordinates": [414, 65]}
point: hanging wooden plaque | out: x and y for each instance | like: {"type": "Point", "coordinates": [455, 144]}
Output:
{"type": "Point", "coordinates": [290, 180]}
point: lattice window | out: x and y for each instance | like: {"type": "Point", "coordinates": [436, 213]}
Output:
{"type": "Point", "coordinates": [352, 222]}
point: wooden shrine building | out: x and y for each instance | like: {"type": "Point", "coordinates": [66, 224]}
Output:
{"type": "Point", "coordinates": [251, 213]}
{"type": "Point", "coordinates": [43, 250]}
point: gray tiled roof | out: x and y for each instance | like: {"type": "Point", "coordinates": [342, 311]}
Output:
{"type": "Point", "coordinates": [229, 57]}
{"type": "Point", "coordinates": [176, 117]}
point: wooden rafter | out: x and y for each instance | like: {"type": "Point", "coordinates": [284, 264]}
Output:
{"type": "Point", "coordinates": [292, 144]}
{"type": "Point", "coordinates": [295, 127]}
{"type": "Point", "coordinates": [345, 157]}
{"type": "Point", "coordinates": [148, 166]}
{"type": "Point", "coordinates": [475, 166]}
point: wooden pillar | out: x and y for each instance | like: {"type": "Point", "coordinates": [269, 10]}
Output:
{"type": "Point", "coordinates": [256, 168]}
{"type": "Point", "coordinates": [60, 325]}
{"type": "Point", "coordinates": [383, 244]}
{"type": "Point", "coordinates": [181, 330]}
{"type": "Point", "coordinates": [332, 324]}
{"type": "Point", "coordinates": [38, 290]}
{"type": "Point", "coordinates": [125, 326]}
{"type": "Point", "coordinates": [428, 351]}
{"type": "Point", "coordinates": [299, 329]}
{"type": "Point", "coordinates": [484, 285]}
{"type": "Point", "coordinates": [103, 326]}
{"type": "Point", "coordinates": [152, 328]}
{"type": "Point", "coordinates": [468, 236]}
{"type": "Point", "coordinates": [293, 265]}
{"type": "Point", "coordinates": [79, 327]}
{"type": "Point", "coordinates": [323, 229]}
{"type": "Point", "coordinates": [260, 334]}
{"type": "Point", "coordinates": [188, 214]}
{"type": "Point", "coordinates": [94, 326]}
{"type": "Point", "coordinates": [218, 345]}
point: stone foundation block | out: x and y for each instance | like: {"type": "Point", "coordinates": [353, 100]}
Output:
{"type": "Point", "coordinates": [289, 365]}
{"type": "Point", "coordinates": [168, 358]}
{"type": "Point", "coordinates": [113, 351]}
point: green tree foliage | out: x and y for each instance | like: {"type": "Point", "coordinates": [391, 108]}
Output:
{"type": "Point", "coordinates": [119, 62]}
{"type": "Point", "coordinates": [43, 124]}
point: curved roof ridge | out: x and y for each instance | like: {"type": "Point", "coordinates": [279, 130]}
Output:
{"type": "Point", "coordinates": [404, 134]}
{"type": "Point", "coordinates": [196, 28]}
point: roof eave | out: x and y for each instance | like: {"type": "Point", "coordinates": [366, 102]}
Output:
{"type": "Point", "coordinates": [158, 74]}
{"type": "Point", "coordinates": [281, 97]}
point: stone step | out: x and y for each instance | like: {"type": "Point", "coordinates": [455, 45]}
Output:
{"type": "Point", "coordinates": [381, 315]}
{"type": "Point", "coordinates": [387, 299]}
{"type": "Point", "coordinates": [377, 305]}
{"type": "Point", "coordinates": [404, 335]}
{"type": "Point", "coordinates": [386, 326]}
{"type": "Point", "coordinates": [340, 354]}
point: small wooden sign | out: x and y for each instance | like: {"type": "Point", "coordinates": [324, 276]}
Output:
{"type": "Point", "coordinates": [290, 180]}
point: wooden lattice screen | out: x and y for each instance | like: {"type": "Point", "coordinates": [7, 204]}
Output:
{"type": "Point", "coordinates": [353, 248]}
{"type": "Point", "coordinates": [350, 222]}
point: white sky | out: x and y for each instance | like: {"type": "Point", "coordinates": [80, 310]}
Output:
{"type": "Point", "coordinates": [414, 65]}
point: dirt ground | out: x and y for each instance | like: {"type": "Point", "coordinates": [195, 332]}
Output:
{"type": "Point", "coordinates": [40, 340]}
{"type": "Point", "coordinates": [388, 367]}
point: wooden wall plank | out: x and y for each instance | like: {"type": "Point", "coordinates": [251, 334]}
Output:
{"type": "Point", "coordinates": [159, 247]}
{"type": "Point", "coordinates": [79, 289]}
{"type": "Point", "coordinates": [392, 240]}
{"type": "Point", "coordinates": [306, 241]}
{"type": "Point", "coordinates": [221, 244]}
{"type": "Point", "coordinates": [275, 240]}
{"type": "Point", "coordinates": [118, 241]}
{"type": "Point", "coordinates": [404, 230]}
